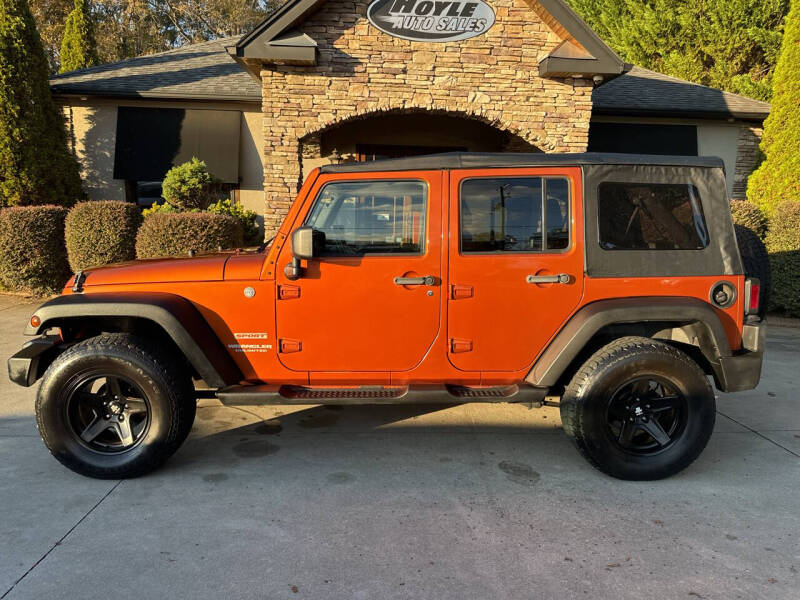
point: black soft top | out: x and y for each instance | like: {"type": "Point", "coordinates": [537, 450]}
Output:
{"type": "Point", "coordinates": [706, 174]}
{"type": "Point", "coordinates": [485, 160]}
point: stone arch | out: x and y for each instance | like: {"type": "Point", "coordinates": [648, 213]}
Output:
{"type": "Point", "coordinates": [521, 138]}
{"type": "Point", "coordinates": [294, 148]}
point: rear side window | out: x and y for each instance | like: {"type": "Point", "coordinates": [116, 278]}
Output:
{"type": "Point", "coordinates": [644, 216]}
{"type": "Point", "coordinates": [371, 217]}
{"type": "Point", "coordinates": [514, 214]}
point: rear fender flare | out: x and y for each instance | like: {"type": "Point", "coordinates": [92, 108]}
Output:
{"type": "Point", "coordinates": [695, 319]}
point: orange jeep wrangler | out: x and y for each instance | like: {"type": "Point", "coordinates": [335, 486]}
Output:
{"type": "Point", "coordinates": [612, 282]}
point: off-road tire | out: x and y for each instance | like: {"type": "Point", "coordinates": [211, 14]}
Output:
{"type": "Point", "coordinates": [756, 262]}
{"type": "Point", "coordinates": [585, 401]}
{"type": "Point", "coordinates": [165, 381]}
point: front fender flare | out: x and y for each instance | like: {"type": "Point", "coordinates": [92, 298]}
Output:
{"type": "Point", "coordinates": [584, 324]}
{"type": "Point", "coordinates": [178, 317]}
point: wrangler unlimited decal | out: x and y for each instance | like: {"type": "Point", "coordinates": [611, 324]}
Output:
{"type": "Point", "coordinates": [431, 20]}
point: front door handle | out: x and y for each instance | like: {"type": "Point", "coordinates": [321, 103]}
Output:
{"type": "Point", "coordinates": [560, 278]}
{"type": "Point", "coordinates": [426, 280]}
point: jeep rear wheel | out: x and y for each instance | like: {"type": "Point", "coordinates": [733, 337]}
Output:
{"type": "Point", "coordinates": [114, 407]}
{"type": "Point", "coordinates": [639, 409]}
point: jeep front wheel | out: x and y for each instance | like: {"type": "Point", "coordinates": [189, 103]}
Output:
{"type": "Point", "coordinates": [639, 409]}
{"type": "Point", "coordinates": [114, 407]}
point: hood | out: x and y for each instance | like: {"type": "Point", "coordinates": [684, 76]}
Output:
{"type": "Point", "coordinates": [210, 267]}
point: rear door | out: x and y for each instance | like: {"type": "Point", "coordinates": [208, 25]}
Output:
{"type": "Point", "coordinates": [371, 302]}
{"type": "Point", "coordinates": [516, 263]}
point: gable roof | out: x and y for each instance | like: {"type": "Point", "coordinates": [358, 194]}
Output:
{"type": "Point", "coordinates": [641, 92]}
{"type": "Point", "coordinates": [205, 71]}
{"type": "Point", "coordinates": [202, 71]}
{"type": "Point", "coordinates": [582, 51]}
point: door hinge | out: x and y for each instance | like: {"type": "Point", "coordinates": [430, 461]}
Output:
{"type": "Point", "coordinates": [288, 292]}
{"type": "Point", "coordinates": [289, 346]}
{"type": "Point", "coordinates": [457, 346]}
{"type": "Point", "coordinates": [459, 292]}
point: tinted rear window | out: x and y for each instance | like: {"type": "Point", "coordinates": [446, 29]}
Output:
{"type": "Point", "coordinates": [634, 216]}
{"type": "Point", "coordinates": [514, 214]}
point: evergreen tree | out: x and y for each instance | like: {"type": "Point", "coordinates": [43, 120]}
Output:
{"type": "Point", "coordinates": [778, 178]}
{"type": "Point", "coordinates": [78, 48]}
{"type": "Point", "coordinates": [36, 167]}
{"type": "Point", "coordinates": [727, 44]}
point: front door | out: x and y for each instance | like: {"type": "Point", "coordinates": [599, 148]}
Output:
{"type": "Point", "coordinates": [371, 301]}
{"type": "Point", "coordinates": [516, 264]}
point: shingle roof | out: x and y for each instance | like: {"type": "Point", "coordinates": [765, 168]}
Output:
{"type": "Point", "coordinates": [198, 71]}
{"type": "Point", "coordinates": [206, 71]}
{"type": "Point", "coordinates": [642, 92]}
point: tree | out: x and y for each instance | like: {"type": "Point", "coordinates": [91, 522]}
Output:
{"type": "Point", "coordinates": [50, 16]}
{"type": "Point", "coordinates": [777, 180]}
{"type": "Point", "coordinates": [128, 28]}
{"type": "Point", "coordinates": [727, 44]}
{"type": "Point", "coordinates": [78, 48]}
{"type": "Point", "coordinates": [36, 167]}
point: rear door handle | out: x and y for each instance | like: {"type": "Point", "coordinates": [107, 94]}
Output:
{"type": "Point", "coordinates": [427, 280]}
{"type": "Point", "coordinates": [560, 278]}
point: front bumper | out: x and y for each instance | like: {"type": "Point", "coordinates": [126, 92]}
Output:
{"type": "Point", "coordinates": [30, 363]}
{"type": "Point", "coordinates": [743, 371]}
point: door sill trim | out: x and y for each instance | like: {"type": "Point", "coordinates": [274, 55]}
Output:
{"type": "Point", "coordinates": [242, 395]}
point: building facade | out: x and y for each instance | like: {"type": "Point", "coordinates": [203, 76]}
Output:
{"type": "Point", "coordinates": [331, 80]}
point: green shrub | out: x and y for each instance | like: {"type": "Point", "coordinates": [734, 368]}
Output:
{"type": "Point", "coordinates": [100, 233]}
{"type": "Point", "coordinates": [751, 216]}
{"type": "Point", "coordinates": [777, 180]}
{"type": "Point", "coordinates": [250, 230]}
{"type": "Point", "coordinates": [162, 208]}
{"type": "Point", "coordinates": [172, 234]}
{"type": "Point", "coordinates": [33, 256]}
{"type": "Point", "coordinates": [188, 186]}
{"type": "Point", "coordinates": [783, 244]}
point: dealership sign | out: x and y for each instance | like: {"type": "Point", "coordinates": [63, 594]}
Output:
{"type": "Point", "coordinates": [431, 20]}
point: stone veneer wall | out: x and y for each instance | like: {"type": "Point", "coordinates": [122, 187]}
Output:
{"type": "Point", "coordinates": [362, 71]}
{"type": "Point", "coordinates": [746, 158]}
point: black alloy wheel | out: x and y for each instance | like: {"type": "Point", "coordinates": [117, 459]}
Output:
{"type": "Point", "coordinates": [646, 415]}
{"type": "Point", "coordinates": [106, 412]}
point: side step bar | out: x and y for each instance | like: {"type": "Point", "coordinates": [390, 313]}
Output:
{"type": "Point", "coordinates": [243, 395]}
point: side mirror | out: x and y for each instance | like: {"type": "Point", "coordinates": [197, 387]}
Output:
{"type": "Point", "coordinates": [307, 243]}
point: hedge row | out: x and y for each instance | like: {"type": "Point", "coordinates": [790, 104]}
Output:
{"type": "Point", "coordinates": [101, 233]}
{"type": "Point", "coordinates": [33, 255]}
{"type": "Point", "coordinates": [751, 216]}
{"type": "Point", "coordinates": [170, 234]}
{"type": "Point", "coordinates": [39, 244]}
{"type": "Point", "coordinates": [783, 244]}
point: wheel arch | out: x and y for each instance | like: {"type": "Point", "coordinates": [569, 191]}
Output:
{"type": "Point", "coordinates": [170, 318]}
{"type": "Point", "coordinates": [686, 323]}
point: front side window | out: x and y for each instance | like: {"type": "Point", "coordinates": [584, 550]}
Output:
{"type": "Point", "coordinates": [514, 214]}
{"type": "Point", "coordinates": [645, 216]}
{"type": "Point", "coordinates": [371, 217]}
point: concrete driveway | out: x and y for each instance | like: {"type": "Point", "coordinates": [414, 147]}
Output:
{"type": "Point", "coordinates": [476, 501]}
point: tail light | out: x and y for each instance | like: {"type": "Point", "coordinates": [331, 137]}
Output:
{"type": "Point", "coordinates": [752, 296]}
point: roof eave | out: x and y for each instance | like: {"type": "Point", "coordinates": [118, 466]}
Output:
{"type": "Point", "coordinates": [679, 114]}
{"type": "Point", "coordinates": [600, 60]}
{"type": "Point", "coordinates": [259, 43]}
{"type": "Point", "coordinates": [553, 66]}
{"type": "Point", "coordinates": [78, 93]}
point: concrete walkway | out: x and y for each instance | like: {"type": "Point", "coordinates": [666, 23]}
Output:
{"type": "Point", "coordinates": [475, 501]}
